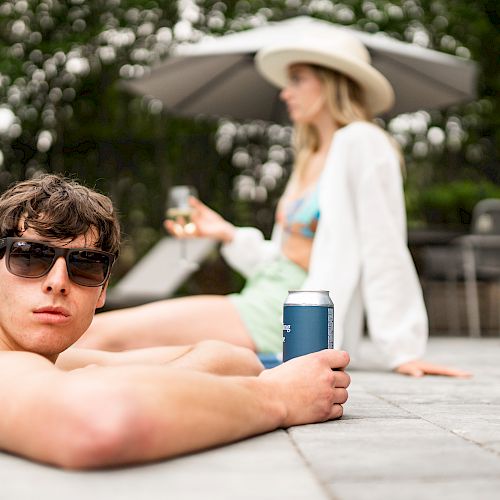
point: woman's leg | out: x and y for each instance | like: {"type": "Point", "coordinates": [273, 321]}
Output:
{"type": "Point", "coordinates": [185, 320]}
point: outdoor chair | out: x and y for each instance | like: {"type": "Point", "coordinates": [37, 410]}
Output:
{"type": "Point", "coordinates": [159, 273]}
{"type": "Point", "coordinates": [441, 265]}
{"type": "Point", "coordinates": [480, 260]}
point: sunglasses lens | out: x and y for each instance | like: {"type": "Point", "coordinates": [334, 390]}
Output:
{"type": "Point", "coordinates": [88, 268]}
{"type": "Point", "coordinates": [30, 259]}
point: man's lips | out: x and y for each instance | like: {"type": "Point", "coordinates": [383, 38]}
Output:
{"type": "Point", "coordinates": [52, 314]}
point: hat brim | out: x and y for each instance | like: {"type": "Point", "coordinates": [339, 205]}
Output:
{"type": "Point", "coordinates": [273, 64]}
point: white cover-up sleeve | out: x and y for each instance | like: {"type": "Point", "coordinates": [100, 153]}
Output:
{"type": "Point", "coordinates": [392, 296]}
{"type": "Point", "coordinates": [249, 250]}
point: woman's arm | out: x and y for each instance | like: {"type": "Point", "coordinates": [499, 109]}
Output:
{"type": "Point", "coordinates": [244, 249]}
{"type": "Point", "coordinates": [249, 250]}
{"type": "Point", "coordinates": [396, 315]}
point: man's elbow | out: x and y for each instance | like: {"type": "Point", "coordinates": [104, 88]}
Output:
{"type": "Point", "coordinates": [227, 359]}
{"type": "Point", "coordinates": [100, 434]}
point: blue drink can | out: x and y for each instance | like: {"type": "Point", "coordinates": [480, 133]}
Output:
{"type": "Point", "coordinates": [307, 323]}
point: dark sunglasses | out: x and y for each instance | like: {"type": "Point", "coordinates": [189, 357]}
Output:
{"type": "Point", "coordinates": [33, 259]}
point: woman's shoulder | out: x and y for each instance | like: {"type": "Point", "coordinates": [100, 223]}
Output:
{"type": "Point", "coordinates": [361, 131]}
{"type": "Point", "coordinates": [364, 140]}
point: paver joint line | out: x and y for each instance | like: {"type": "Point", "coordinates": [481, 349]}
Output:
{"type": "Point", "coordinates": [435, 424]}
{"type": "Point", "coordinates": [316, 476]}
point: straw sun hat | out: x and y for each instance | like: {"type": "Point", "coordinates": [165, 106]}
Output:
{"type": "Point", "coordinates": [332, 48]}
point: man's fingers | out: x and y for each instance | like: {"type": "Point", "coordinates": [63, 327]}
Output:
{"type": "Point", "coordinates": [340, 395]}
{"type": "Point", "coordinates": [342, 379]}
{"type": "Point", "coordinates": [336, 359]}
{"type": "Point", "coordinates": [336, 412]}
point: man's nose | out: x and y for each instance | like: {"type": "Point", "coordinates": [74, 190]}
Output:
{"type": "Point", "coordinates": [57, 279]}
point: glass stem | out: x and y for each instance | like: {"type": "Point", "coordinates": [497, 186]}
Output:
{"type": "Point", "coordinates": [183, 249]}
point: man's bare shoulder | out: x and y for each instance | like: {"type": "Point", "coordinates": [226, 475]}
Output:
{"type": "Point", "coordinates": [25, 381]}
{"type": "Point", "coordinates": [16, 362]}
{"type": "Point", "coordinates": [13, 364]}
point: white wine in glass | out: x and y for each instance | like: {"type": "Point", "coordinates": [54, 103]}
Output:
{"type": "Point", "coordinates": [179, 211]}
{"type": "Point", "coordinates": [181, 218]}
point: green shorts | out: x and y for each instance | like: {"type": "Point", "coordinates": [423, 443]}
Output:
{"type": "Point", "coordinates": [260, 303]}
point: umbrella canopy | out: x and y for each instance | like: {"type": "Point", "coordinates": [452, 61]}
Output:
{"type": "Point", "coordinates": [217, 77]}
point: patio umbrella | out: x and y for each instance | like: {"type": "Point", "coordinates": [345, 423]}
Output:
{"type": "Point", "coordinates": [216, 77]}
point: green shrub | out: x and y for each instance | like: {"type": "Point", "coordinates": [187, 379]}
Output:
{"type": "Point", "coordinates": [448, 204]}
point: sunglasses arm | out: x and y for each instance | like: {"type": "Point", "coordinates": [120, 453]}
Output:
{"type": "Point", "coordinates": [3, 246]}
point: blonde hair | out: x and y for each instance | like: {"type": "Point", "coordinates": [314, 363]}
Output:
{"type": "Point", "coordinates": [345, 101]}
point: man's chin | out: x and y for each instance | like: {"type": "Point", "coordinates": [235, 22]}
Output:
{"type": "Point", "coordinates": [48, 348]}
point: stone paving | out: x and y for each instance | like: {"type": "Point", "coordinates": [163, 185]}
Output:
{"type": "Point", "coordinates": [400, 438]}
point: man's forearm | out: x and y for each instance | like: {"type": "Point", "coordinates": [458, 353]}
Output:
{"type": "Point", "coordinates": [161, 412]}
{"type": "Point", "coordinates": [198, 412]}
{"type": "Point", "coordinates": [75, 357]}
{"type": "Point", "coordinates": [208, 356]}
{"type": "Point", "coordinates": [116, 415]}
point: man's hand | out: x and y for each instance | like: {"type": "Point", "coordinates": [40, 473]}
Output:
{"type": "Point", "coordinates": [419, 368]}
{"type": "Point", "coordinates": [310, 387]}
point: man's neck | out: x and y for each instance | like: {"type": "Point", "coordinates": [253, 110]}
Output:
{"type": "Point", "coordinates": [7, 345]}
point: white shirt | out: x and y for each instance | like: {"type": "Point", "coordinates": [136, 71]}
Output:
{"type": "Point", "coordinates": [359, 251]}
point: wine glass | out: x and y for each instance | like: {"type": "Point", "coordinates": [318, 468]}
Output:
{"type": "Point", "coordinates": [179, 211]}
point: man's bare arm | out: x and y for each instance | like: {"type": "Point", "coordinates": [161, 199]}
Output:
{"type": "Point", "coordinates": [106, 416]}
{"type": "Point", "coordinates": [209, 356]}
{"type": "Point", "coordinates": [74, 357]}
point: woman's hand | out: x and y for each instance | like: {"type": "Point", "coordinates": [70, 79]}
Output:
{"type": "Point", "coordinates": [206, 224]}
{"type": "Point", "coordinates": [419, 368]}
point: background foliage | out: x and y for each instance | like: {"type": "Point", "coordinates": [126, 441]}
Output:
{"type": "Point", "coordinates": [62, 109]}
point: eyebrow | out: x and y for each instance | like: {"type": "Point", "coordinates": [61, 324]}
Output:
{"type": "Point", "coordinates": [297, 69]}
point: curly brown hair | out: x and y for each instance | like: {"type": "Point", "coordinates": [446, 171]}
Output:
{"type": "Point", "coordinates": [59, 208]}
